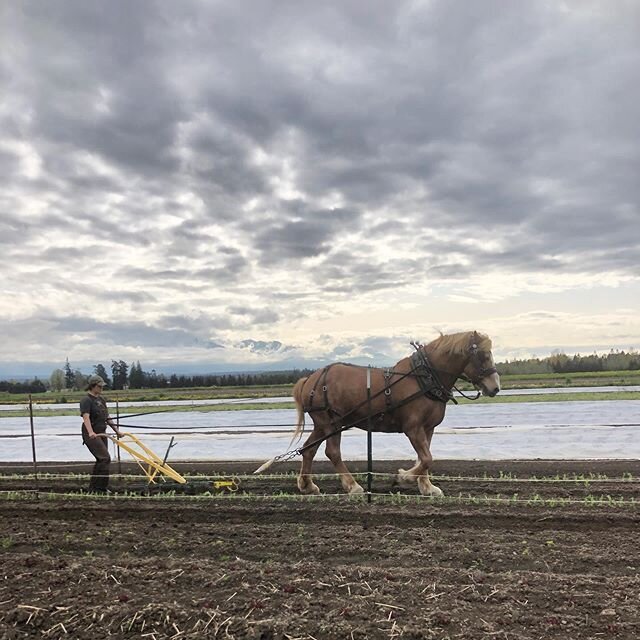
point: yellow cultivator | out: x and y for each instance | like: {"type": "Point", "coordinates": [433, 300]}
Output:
{"type": "Point", "coordinates": [149, 462]}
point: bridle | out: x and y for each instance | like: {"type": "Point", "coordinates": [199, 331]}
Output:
{"type": "Point", "coordinates": [480, 371]}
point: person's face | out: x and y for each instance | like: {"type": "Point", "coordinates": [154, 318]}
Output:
{"type": "Point", "coordinates": [97, 389]}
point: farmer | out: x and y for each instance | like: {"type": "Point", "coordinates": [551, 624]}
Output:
{"type": "Point", "coordinates": [95, 418]}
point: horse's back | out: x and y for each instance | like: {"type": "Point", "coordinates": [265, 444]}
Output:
{"type": "Point", "coordinates": [335, 380]}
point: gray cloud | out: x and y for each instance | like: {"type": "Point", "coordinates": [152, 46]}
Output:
{"type": "Point", "coordinates": [136, 334]}
{"type": "Point", "coordinates": [206, 158]}
{"type": "Point", "coordinates": [301, 238]}
{"type": "Point", "coordinates": [253, 316]}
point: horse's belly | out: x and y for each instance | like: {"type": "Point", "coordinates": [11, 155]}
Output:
{"type": "Point", "coordinates": [384, 425]}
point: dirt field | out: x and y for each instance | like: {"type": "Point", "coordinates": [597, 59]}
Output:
{"type": "Point", "coordinates": [561, 559]}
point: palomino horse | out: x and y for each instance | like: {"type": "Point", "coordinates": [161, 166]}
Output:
{"type": "Point", "coordinates": [410, 398]}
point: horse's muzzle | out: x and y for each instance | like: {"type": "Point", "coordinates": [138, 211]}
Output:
{"type": "Point", "coordinates": [490, 386]}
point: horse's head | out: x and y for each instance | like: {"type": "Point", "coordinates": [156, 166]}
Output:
{"type": "Point", "coordinates": [480, 369]}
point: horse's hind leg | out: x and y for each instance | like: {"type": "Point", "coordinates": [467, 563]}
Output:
{"type": "Point", "coordinates": [334, 454]}
{"type": "Point", "coordinates": [305, 479]}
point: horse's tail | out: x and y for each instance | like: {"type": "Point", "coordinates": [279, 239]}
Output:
{"type": "Point", "coordinates": [297, 397]}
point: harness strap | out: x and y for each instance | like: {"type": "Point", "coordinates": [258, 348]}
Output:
{"type": "Point", "coordinates": [387, 389]}
{"type": "Point", "coordinates": [420, 368]}
{"type": "Point", "coordinates": [325, 390]}
{"type": "Point", "coordinates": [390, 407]}
{"type": "Point", "coordinates": [407, 400]}
{"type": "Point", "coordinates": [312, 393]}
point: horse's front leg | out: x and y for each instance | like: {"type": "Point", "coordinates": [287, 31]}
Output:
{"type": "Point", "coordinates": [334, 454]}
{"type": "Point", "coordinates": [421, 441]}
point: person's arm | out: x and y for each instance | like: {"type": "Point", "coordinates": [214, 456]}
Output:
{"type": "Point", "coordinates": [87, 423]}
{"type": "Point", "coordinates": [113, 426]}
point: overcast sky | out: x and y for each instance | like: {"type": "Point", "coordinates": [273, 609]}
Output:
{"type": "Point", "coordinates": [205, 184]}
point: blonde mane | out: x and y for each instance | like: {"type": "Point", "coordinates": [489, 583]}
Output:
{"type": "Point", "coordinates": [458, 343]}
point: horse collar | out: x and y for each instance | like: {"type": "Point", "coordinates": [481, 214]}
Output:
{"type": "Point", "coordinates": [427, 377]}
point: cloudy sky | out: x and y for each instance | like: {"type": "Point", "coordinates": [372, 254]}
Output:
{"type": "Point", "coordinates": [198, 185]}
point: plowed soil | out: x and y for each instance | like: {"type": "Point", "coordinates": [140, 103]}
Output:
{"type": "Point", "coordinates": [508, 555]}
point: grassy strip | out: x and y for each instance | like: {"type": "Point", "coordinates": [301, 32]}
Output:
{"type": "Point", "coordinates": [73, 410]}
{"type": "Point", "coordinates": [236, 406]}
{"type": "Point", "coordinates": [581, 396]}
{"type": "Point", "coordinates": [154, 395]}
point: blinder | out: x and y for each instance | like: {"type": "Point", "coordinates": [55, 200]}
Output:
{"type": "Point", "coordinates": [476, 360]}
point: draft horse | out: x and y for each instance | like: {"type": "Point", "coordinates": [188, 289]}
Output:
{"type": "Point", "coordinates": [409, 398]}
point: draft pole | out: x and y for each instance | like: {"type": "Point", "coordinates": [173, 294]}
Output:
{"type": "Point", "coordinates": [33, 446]}
{"type": "Point", "coordinates": [369, 458]}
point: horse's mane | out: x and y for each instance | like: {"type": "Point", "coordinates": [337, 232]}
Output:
{"type": "Point", "coordinates": [458, 343]}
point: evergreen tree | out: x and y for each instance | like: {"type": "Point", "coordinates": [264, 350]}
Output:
{"type": "Point", "coordinates": [120, 370]}
{"type": "Point", "coordinates": [99, 370]}
{"type": "Point", "coordinates": [136, 376]}
{"type": "Point", "coordinates": [69, 376]}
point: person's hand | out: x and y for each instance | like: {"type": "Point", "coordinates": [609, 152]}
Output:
{"type": "Point", "coordinates": [92, 434]}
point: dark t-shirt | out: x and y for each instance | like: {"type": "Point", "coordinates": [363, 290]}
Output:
{"type": "Point", "coordinates": [96, 407]}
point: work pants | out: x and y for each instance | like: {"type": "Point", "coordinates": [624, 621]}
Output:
{"type": "Point", "coordinates": [100, 475]}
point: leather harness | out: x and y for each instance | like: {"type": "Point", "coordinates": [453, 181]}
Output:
{"type": "Point", "coordinates": [421, 369]}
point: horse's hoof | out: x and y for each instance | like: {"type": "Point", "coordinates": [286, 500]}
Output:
{"type": "Point", "coordinates": [432, 491]}
{"type": "Point", "coordinates": [309, 488]}
{"type": "Point", "coordinates": [403, 479]}
{"type": "Point", "coordinates": [356, 490]}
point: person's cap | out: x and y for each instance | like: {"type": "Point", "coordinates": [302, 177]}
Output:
{"type": "Point", "coordinates": [95, 379]}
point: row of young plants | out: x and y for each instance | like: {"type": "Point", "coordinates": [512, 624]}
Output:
{"type": "Point", "coordinates": [383, 498]}
{"type": "Point", "coordinates": [577, 478]}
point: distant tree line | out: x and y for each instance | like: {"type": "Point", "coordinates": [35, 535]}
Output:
{"type": "Point", "coordinates": [139, 379]}
{"type": "Point", "coordinates": [559, 362]}
{"type": "Point", "coordinates": [124, 376]}
{"type": "Point", "coordinates": [32, 386]}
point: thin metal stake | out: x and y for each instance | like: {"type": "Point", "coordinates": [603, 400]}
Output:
{"type": "Point", "coordinates": [117, 436]}
{"type": "Point", "coordinates": [369, 458]}
{"type": "Point", "coordinates": [166, 455]}
{"type": "Point", "coordinates": [33, 446]}
{"type": "Point", "coordinates": [171, 445]}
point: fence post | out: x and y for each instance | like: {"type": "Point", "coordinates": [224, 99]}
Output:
{"type": "Point", "coordinates": [369, 443]}
{"type": "Point", "coordinates": [117, 436]}
{"type": "Point", "coordinates": [33, 446]}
